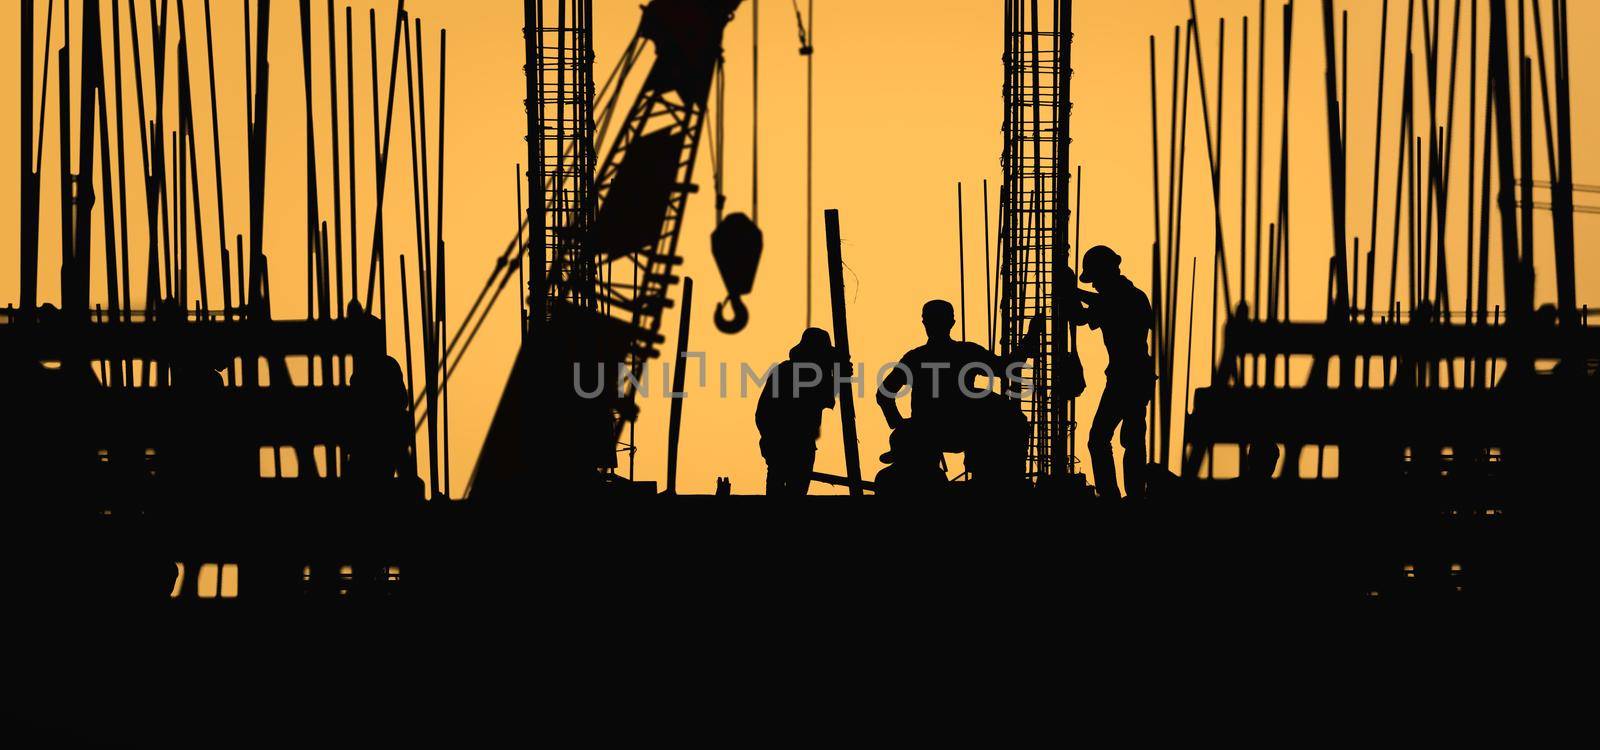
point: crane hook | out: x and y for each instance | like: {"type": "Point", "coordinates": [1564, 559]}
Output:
{"type": "Point", "coordinates": [741, 315]}
{"type": "Point", "coordinates": [736, 246]}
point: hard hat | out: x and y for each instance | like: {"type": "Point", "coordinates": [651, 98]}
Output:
{"type": "Point", "coordinates": [1097, 262]}
{"type": "Point", "coordinates": [814, 346]}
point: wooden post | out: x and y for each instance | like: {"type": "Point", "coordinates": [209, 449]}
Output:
{"type": "Point", "coordinates": [841, 340]}
{"type": "Point", "coordinates": [675, 421]}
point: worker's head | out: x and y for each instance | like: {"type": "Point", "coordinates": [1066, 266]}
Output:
{"type": "Point", "coordinates": [938, 317]}
{"type": "Point", "coordinates": [815, 346]}
{"type": "Point", "coordinates": [1100, 265]}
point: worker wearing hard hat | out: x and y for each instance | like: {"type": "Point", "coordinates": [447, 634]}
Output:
{"type": "Point", "coordinates": [1122, 314]}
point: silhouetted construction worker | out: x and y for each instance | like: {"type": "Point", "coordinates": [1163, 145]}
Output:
{"type": "Point", "coordinates": [789, 412]}
{"type": "Point", "coordinates": [1122, 314]}
{"type": "Point", "coordinates": [382, 449]}
{"type": "Point", "coordinates": [380, 446]}
{"type": "Point", "coordinates": [952, 412]}
{"type": "Point", "coordinates": [195, 452]}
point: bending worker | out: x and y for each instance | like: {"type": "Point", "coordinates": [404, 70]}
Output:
{"type": "Point", "coordinates": [1122, 314]}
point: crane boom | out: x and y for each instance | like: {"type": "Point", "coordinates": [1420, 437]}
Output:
{"type": "Point", "coordinates": [611, 278]}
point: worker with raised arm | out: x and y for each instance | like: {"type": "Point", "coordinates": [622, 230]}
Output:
{"type": "Point", "coordinates": [1123, 316]}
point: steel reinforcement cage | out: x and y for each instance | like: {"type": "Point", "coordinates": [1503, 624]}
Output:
{"type": "Point", "coordinates": [1034, 213]}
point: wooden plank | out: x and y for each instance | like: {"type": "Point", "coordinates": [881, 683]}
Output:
{"type": "Point", "coordinates": [841, 340]}
{"type": "Point", "coordinates": [675, 421]}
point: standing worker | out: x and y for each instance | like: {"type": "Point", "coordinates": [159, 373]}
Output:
{"type": "Point", "coordinates": [1123, 315]}
{"type": "Point", "coordinates": [789, 413]}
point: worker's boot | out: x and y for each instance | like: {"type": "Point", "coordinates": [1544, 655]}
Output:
{"type": "Point", "coordinates": [1133, 469]}
{"type": "Point", "coordinates": [1105, 471]}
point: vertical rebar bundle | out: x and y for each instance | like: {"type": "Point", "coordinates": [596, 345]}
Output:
{"type": "Point", "coordinates": [1033, 210]}
{"type": "Point", "coordinates": [561, 141]}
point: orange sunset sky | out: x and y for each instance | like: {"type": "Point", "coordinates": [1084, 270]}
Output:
{"type": "Point", "coordinates": [908, 102]}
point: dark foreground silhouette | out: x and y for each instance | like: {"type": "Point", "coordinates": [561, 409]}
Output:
{"type": "Point", "coordinates": [361, 594]}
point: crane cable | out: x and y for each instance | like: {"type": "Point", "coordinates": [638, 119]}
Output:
{"type": "Point", "coordinates": [755, 111]}
{"type": "Point", "coordinates": [737, 277]}
{"type": "Point", "coordinates": [806, 25]}
{"type": "Point", "coordinates": [718, 135]}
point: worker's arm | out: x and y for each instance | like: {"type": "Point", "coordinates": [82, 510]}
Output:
{"type": "Point", "coordinates": [764, 404]}
{"type": "Point", "coordinates": [1026, 350]}
{"type": "Point", "coordinates": [1094, 309]}
{"type": "Point", "coordinates": [1078, 305]}
{"type": "Point", "coordinates": [837, 387]}
{"type": "Point", "coordinates": [892, 383]}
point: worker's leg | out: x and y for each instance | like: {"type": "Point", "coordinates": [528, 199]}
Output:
{"type": "Point", "coordinates": [801, 483]}
{"type": "Point", "coordinates": [1012, 461]}
{"type": "Point", "coordinates": [1106, 416]}
{"type": "Point", "coordinates": [1133, 451]}
{"type": "Point", "coordinates": [789, 468]}
{"type": "Point", "coordinates": [777, 474]}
